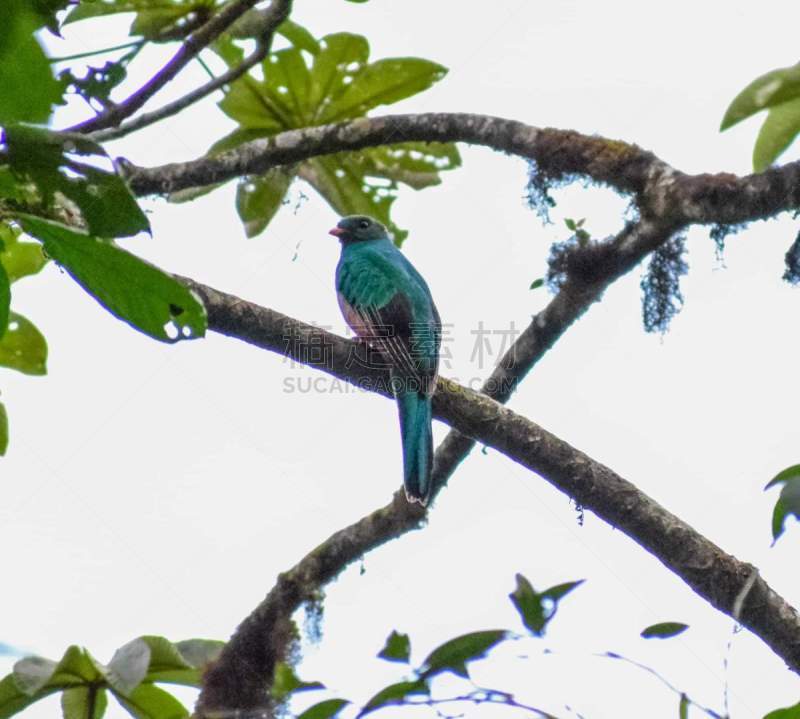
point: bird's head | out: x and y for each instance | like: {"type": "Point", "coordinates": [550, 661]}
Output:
{"type": "Point", "coordinates": [358, 228]}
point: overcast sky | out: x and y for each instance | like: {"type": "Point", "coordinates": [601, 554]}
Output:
{"type": "Point", "coordinates": [154, 489]}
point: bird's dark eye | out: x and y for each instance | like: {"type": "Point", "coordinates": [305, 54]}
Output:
{"type": "Point", "coordinates": [363, 224]}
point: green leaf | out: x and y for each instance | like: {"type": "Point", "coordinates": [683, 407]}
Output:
{"type": "Point", "coordinates": [258, 199]}
{"type": "Point", "coordinates": [286, 682]}
{"type": "Point", "coordinates": [381, 83]}
{"type": "Point", "coordinates": [153, 19]}
{"type": "Point", "coordinates": [338, 52]}
{"type": "Point", "coordinates": [788, 503]}
{"type": "Point", "coordinates": [23, 347]}
{"type": "Point", "coordinates": [296, 34]}
{"type": "Point", "coordinates": [37, 677]}
{"type": "Point", "coordinates": [340, 84]}
{"type": "Point", "coordinates": [454, 654]}
{"type": "Point", "coordinates": [536, 284]}
{"type": "Point", "coordinates": [5, 299]}
{"type": "Point", "coordinates": [42, 158]}
{"type": "Point", "coordinates": [397, 648]}
{"type": "Point", "coordinates": [128, 666]}
{"type": "Point", "coordinates": [32, 673]}
{"type": "Point", "coordinates": [768, 90]}
{"type": "Point", "coordinates": [27, 86]}
{"type": "Point", "coordinates": [394, 694]}
{"type": "Point", "coordinates": [12, 699]}
{"type": "Point", "coordinates": [151, 702]}
{"type": "Point", "coordinates": [537, 609]}
{"type": "Point", "coordinates": [198, 653]}
{"type": "Point", "coordinates": [786, 475]}
{"type": "Point", "coordinates": [792, 712]}
{"type": "Point", "coordinates": [19, 259]}
{"type": "Point", "coordinates": [47, 10]}
{"type": "Point", "coordinates": [663, 630]}
{"type": "Point", "coordinates": [683, 707]}
{"type": "Point", "coordinates": [778, 131]}
{"type": "Point", "coordinates": [338, 179]}
{"type": "Point", "coordinates": [130, 288]}
{"type": "Point", "coordinates": [325, 709]}
{"type": "Point", "coordinates": [3, 435]}
{"type": "Point", "coordinates": [87, 702]}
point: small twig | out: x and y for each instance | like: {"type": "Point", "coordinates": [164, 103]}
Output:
{"type": "Point", "coordinates": [92, 53]}
{"type": "Point", "coordinates": [479, 696]}
{"type": "Point", "coordinates": [662, 679]}
{"type": "Point", "coordinates": [185, 54]}
{"type": "Point", "coordinates": [278, 12]}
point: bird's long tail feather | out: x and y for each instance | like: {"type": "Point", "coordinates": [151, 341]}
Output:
{"type": "Point", "coordinates": [415, 429]}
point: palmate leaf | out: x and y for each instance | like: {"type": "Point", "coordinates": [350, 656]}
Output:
{"type": "Point", "coordinates": [339, 84]}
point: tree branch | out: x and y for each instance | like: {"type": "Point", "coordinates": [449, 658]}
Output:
{"type": "Point", "coordinates": [245, 668]}
{"type": "Point", "coordinates": [277, 12]}
{"type": "Point", "coordinates": [186, 53]}
{"type": "Point", "coordinates": [660, 190]}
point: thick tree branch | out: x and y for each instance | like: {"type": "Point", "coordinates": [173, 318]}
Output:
{"type": "Point", "coordinates": [277, 12]}
{"type": "Point", "coordinates": [198, 40]}
{"type": "Point", "coordinates": [660, 190]}
{"type": "Point", "coordinates": [593, 273]}
{"type": "Point", "coordinates": [238, 680]}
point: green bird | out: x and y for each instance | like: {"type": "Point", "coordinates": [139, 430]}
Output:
{"type": "Point", "coordinates": [387, 303]}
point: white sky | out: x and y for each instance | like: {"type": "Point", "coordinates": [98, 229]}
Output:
{"type": "Point", "coordinates": [158, 489]}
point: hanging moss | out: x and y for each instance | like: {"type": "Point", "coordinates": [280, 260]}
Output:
{"type": "Point", "coordinates": [662, 298]}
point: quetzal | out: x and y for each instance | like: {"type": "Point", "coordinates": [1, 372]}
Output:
{"type": "Point", "coordinates": [387, 303]}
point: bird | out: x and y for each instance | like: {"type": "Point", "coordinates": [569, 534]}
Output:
{"type": "Point", "coordinates": [388, 305]}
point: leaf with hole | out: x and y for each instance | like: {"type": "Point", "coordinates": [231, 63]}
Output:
{"type": "Point", "coordinates": [397, 648]}
{"type": "Point", "coordinates": [768, 90]}
{"type": "Point", "coordinates": [454, 654]}
{"type": "Point", "coordinates": [536, 609]}
{"type": "Point", "coordinates": [133, 290]}
{"type": "Point", "coordinates": [23, 347]}
{"type": "Point", "coordinates": [663, 630]}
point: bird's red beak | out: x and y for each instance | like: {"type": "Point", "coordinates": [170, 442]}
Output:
{"type": "Point", "coordinates": [336, 232]}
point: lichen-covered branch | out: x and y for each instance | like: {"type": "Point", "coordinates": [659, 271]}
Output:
{"type": "Point", "coordinates": [660, 191]}
{"type": "Point", "coordinates": [202, 38]}
{"type": "Point", "coordinates": [277, 12]}
{"type": "Point", "coordinates": [240, 677]}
